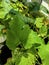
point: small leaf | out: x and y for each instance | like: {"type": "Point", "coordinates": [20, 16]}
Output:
{"type": "Point", "coordinates": [5, 8]}
{"type": "Point", "coordinates": [39, 22]}
{"type": "Point", "coordinates": [43, 30]}
{"type": "Point", "coordinates": [1, 27]}
{"type": "Point", "coordinates": [2, 38]}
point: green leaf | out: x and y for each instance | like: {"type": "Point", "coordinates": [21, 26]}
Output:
{"type": "Point", "coordinates": [19, 32]}
{"type": "Point", "coordinates": [27, 60]}
{"type": "Point", "coordinates": [39, 22]}
{"type": "Point", "coordinates": [1, 27]}
{"type": "Point", "coordinates": [44, 54]}
{"type": "Point", "coordinates": [12, 40]}
{"type": "Point", "coordinates": [29, 20]}
{"type": "Point", "coordinates": [4, 8]}
{"type": "Point", "coordinates": [43, 30]}
{"type": "Point", "coordinates": [16, 56]}
{"type": "Point", "coordinates": [22, 58]}
{"type": "Point", "coordinates": [32, 39]}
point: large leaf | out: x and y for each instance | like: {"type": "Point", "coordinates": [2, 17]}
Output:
{"type": "Point", "coordinates": [19, 32]}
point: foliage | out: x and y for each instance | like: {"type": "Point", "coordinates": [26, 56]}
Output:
{"type": "Point", "coordinates": [25, 29]}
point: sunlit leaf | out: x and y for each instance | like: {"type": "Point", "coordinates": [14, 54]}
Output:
{"type": "Point", "coordinates": [4, 9]}
{"type": "Point", "coordinates": [39, 22]}
{"type": "Point", "coordinates": [44, 54]}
